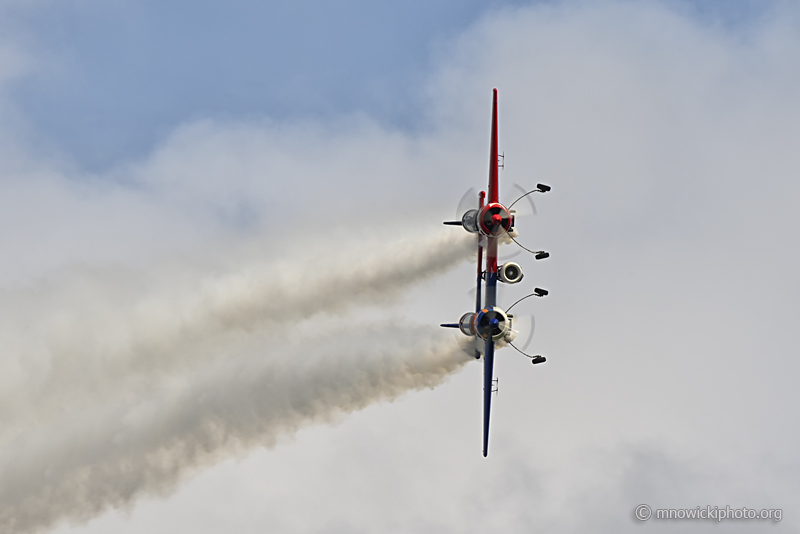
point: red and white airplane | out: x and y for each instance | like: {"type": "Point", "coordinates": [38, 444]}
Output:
{"type": "Point", "coordinates": [489, 324]}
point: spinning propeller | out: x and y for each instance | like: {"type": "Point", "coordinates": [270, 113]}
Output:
{"type": "Point", "coordinates": [522, 208]}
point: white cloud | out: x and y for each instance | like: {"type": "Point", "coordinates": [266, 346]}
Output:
{"type": "Point", "coordinates": [669, 329]}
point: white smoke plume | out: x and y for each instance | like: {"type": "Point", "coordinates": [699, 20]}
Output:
{"type": "Point", "coordinates": [108, 398]}
{"type": "Point", "coordinates": [119, 342]}
{"type": "Point", "coordinates": [108, 456]}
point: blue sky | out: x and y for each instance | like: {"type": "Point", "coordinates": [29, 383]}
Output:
{"type": "Point", "coordinates": [118, 76]}
{"type": "Point", "coordinates": [135, 69]}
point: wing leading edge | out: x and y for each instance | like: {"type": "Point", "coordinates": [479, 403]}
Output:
{"type": "Point", "coordinates": [491, 281]}
{"type": "Point", "coordinates": [488, 381]}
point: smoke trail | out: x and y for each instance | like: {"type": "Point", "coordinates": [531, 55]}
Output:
{"type": "Point", "coordinates": [107, 457]}
{"type": "Point", "coordinates": [117, 347]}
{"type": "Point", "coordinates": [110, 392]}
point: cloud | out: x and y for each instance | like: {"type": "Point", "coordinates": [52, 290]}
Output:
{"type": "Point", "coordinates": [118, 346]}
{"type": "Point", "coordinates": [669, 143]}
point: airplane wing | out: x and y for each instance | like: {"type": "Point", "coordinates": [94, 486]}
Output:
{"type": "Point", "coordinates": [493, 167]}
{"type": "Point", "coordinates": [491, 282]}
{"type": "Point", "coordinates": [488, 377]}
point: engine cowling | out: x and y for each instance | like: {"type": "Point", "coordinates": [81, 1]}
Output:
{"type": "Point", "coordinates": [465, 324]}
{"type": "Point", "coordinates": [510, 273]}
{"type": "Point", "coordinates": [470, 221]}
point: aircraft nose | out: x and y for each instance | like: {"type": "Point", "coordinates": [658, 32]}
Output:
{"type": "Point", "coordinates": [497, 219]}
{"type": "Point", "coordinates": [494, 321]}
